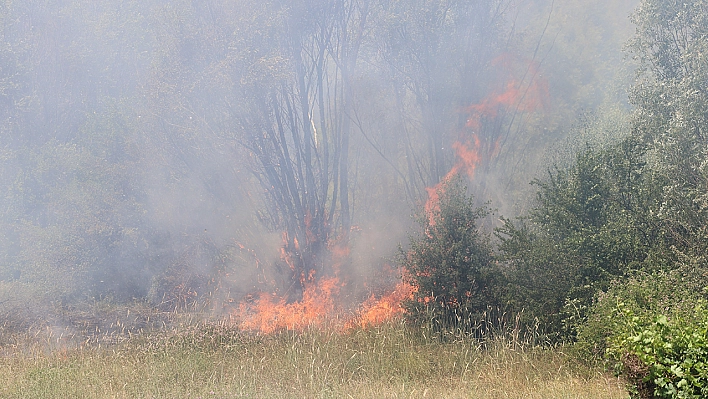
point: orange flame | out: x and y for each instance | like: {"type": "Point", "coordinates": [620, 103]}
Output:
{"type": "Point", "coordinates": [377, 311]}
{"type": "Point", "coordinates": [320, 305]}
{"type": "Point", "coordinates": [270, 314]}
{"type": "Point", "coordinates": [471, 150]}
{"type": "Point", "coordinates": [467, 159]}
{"type": "Point", "coordinates": [526, 94]}
{"type": "Point", "coordinates": [319, 309]}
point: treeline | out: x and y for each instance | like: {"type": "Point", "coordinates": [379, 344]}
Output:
{"type": "Point", "coordinates": [612, 255]}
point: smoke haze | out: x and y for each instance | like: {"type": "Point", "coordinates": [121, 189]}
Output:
{"type": "Point", "coordinates": [173, 152]}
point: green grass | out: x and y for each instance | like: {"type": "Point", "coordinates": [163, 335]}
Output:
{"type": "Point", "coordinates": [212, 361]}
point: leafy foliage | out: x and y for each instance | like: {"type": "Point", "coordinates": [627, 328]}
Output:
{"type": "Point", "coordinates": [669, 127]}
{"type": "Point", "coordinates": [591, 224]}
{"type": "Point", "coordinates": [637, 206]}
{"type": "Point", "coordinates": [646, 294]}
{"type": "Point", "coordinates": [450, 262]}
{"type": "Point", "coordinates": [671, 97]}
{"type": "Point", "coordinates": [662, 357]}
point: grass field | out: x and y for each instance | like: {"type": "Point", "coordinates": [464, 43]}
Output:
{"type": "Point", "coordinates": [215, 361]}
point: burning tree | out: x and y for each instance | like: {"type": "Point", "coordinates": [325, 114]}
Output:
{"type": "Point", "coordinates": [296, 122]}
{"type": "Point", "coordinates": [450, 262]}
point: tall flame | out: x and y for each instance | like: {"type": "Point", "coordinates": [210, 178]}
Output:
{"type": "Point", "coordinates": [475, 144]}
{"type": "Point", "coordinates": [466, 160]}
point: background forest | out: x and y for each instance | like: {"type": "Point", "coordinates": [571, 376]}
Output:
{"type": "Point", "coordinates": [186, 155]}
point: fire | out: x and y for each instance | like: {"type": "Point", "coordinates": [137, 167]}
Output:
{"type": "Point", "coordinates": [524, 90]}
{"type": "Point", "coordinates": [321, 305]}
{"type": "Point", "coordinates": [477, 143]}
{"type": "Point", "coordinates": [320, 308]}
{"type": "Point", "coordinates": [377, 311]}
{"type": "Point", "coordinates": [269, 314]}
{"type": "Point", "coordinates": [467, 159]}
{"type": "Point", "coordinates": [467, 156]}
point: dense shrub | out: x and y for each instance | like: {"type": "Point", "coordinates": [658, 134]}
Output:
{"type": "Point", "coordinates": [636, 208]}
{"type": "Point", "coordinates": [651, 331]}
{"type": "Point", "coordinates": [590, 225]}
{"type": "Point", "coordinates": [450, 263]}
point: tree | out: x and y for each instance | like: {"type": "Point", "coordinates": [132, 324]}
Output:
{"type": "Point", "coordinates": [436, 55]}
{"type": "Point", "coordinates": [296, 123]}
{"type": "Point", "coordinates": [591, 223]}
{"type": "Point", "coordinates": [636, 206]}
{"type": "Point", "coordinates": [655, 353]}
{"type": "Point", "coordinates": [671, 98]}
{"type": "Point", "coordinates": [450, 262]}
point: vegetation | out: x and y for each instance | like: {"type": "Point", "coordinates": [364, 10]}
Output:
{"type": "Point", "coordinates": [156, 150]}
{"type": "Point", "coordinates": [591, 225]}
{"type": "Point", "coordinates": [450, 262]}
{"type": "Point", "coordinates": [613, 253]}
{"type": "Point", "coordinates": [156, 155]}
{"type": "Point", "coordinates": [385, 362]}
{"type": "Point", "coordinates": [661, 357]}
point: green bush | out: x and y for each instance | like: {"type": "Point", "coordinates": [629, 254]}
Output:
{"type": "Point", "coordinates": [589, 226]}
{"type": "Point", "coordinates": [646, 294]}
{"type": "Point", "coordinates": [451, 263]}
{"type": "Point", "coordinates": [662, 357]}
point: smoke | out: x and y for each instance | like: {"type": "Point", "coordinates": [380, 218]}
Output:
{"type": "Point", "coordinates": [131, 136]}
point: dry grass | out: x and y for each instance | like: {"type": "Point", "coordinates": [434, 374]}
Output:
{"type": "Point", "coordinates": [211, 361]}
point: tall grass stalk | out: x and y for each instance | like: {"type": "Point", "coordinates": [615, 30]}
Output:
{"type": "Point", "coordinates": [216, 361]}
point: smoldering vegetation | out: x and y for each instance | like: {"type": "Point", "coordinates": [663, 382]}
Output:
{"type": "Point", "coordinates": [169, 156]}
